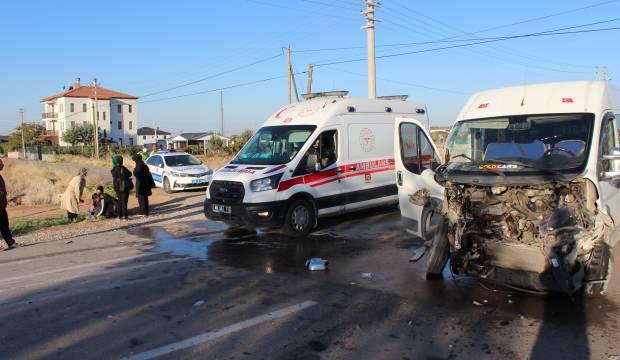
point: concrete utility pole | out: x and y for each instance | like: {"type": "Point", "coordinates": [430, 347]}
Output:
{"type": "Point", "coordinates": [288, 71]}
{"type": "Point", "coordinates": [601, 73]}
{"type": "Point", "coordinates": [21, 113]}
{"type": "Point", "coordinates": [221, 112]}
{"type": "Point", "coordinates": [96, 121]}
{"type": "Point", "coordinates": [294, 83]}
{"type": "Point", "coordinates": [309, 86]}
{"type": "Point", "coordinates": [369, 14]}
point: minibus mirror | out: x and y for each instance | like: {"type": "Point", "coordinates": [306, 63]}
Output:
{"type": "Point", "coordinates": [312, 163]}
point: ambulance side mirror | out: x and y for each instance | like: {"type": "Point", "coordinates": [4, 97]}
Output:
{"type": "Point", "coordinates": [312, 163]}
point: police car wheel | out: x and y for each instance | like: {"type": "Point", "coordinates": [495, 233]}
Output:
{"type": "Point", "coordinates": [299, 219]}
{"type": "Point", "coordinates": [167, 187]}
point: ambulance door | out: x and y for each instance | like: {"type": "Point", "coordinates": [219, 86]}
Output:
{"type": "Point", "coordinates": [416, 159]}
{"type": "Point", "coordinates": [322, 171]}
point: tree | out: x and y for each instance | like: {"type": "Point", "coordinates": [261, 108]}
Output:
{"type": "Point", "coordinates": [79, 134]}
{"type": "Point", "coordinates": [237, 141]}
{"type": "Point", "coordinates": [31, 132]}
{"type": "Point", "coordinates": [215, 142]}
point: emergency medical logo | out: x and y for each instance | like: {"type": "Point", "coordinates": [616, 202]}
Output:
{"type": "Point", "coordinates": [367, 140]}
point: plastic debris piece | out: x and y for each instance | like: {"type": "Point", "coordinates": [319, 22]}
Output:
{"type": "Point", "coordinates": [316, 264]}
{"type": "Point", "coordinates": [367, 275]}
{"type": "Point", "coordinates": [477, 303]}
{"type": "Point", "coordinates": [199, 302]}
{"type": "Point", "coordinates": [418, 253]}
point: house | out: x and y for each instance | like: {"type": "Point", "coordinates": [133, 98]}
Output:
{"type": "Point", "coordinates": [116, 113]}
{"type": "Point", "coordinates": [4, 139]}
{"type": "Point", "coordinates": [201, 141]}
{"type": "Point", "coordinates": [150, 136]}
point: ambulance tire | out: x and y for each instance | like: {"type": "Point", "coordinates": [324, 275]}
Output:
{"type": "Point", "coordinates": [438, 253]}
{"type": "Point", "coordinates": [167, 188]}
{"type": "Point", "coordinates": [300, 218]}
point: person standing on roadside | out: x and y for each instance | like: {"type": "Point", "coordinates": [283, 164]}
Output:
{"type": "Point", "coordinates": [122, 185]}
{"type": "Point", "coordinates": [72, 197]}
{"type": "Point", "coordinates": [4, 217]}
{"type": "Point", "coordinates": [144, 184]}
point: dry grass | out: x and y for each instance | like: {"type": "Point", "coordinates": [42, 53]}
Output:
{"type": "Point", "coordinates": [38, 182]}
{"type": "Point", "coordinates": [216, 161]}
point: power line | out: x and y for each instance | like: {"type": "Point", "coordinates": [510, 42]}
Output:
{"type": "Point", "coordinates": [471, 44]}
{"type": "Point", "coordinates": [221, 88]}
{"type": "Point", "coordinates": [213, 76]}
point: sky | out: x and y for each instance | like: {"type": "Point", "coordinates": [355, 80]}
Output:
{"type": "Point", "coordinates": [146, 48]}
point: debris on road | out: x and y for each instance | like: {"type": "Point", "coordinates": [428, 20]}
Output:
{"type": "Point", "coordinates": [199, 302]}
{"type": "Point", "coordinates": [367, 275]}
{"type": "Point", "coordinates": [418, 253]}
{"type": "Point", "coordinates": [477, 303]}
{"type": "Point", "coordinates": [316, 264]}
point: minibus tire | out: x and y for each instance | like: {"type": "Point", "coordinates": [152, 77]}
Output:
{"type": "Point", "coordinates": [300, 210]}
{"type": "Point", "coordinates": [598, 269]}
{"type": "Point", "coordinates": [166, 185]}
{"type": "Point", "coordinates": [438, 253]}
{"type": "Point", "coordinates": [425, 225]}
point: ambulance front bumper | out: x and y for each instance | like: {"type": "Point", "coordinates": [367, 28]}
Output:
{"type": "Point", "coordinates": [255, 215]}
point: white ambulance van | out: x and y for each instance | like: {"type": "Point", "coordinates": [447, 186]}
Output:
{"type": "Point", "coordinates": [328, 155]}
{"type": "Point", "coordinates": [529, 188]}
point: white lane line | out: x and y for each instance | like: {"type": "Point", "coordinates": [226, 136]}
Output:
{"type": "Point", "coordinates": [212, 335]}
{"type": "Point", "coordinates": [83, 266]}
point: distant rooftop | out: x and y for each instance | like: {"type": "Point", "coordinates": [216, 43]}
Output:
{"type": "Point", "coordinates": [150, 131]}
{"type": "Point", "coordinates": [89, 92]}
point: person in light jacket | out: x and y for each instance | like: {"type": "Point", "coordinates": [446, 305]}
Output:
{"type": "Point", "coordinates": [122, 185]}
{"type": "Point", "coordinates": [72, 197]}
{"type": "Point", "coordinates": [144, 184]}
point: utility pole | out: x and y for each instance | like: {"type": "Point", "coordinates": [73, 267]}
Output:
{"type": "Point", "coordinates": [309, 87]}
{"type": "Point", "coordinates": [221, 113]}
{"type": "Point", "coordinates": [155, 130]}
{"type": "Point", "coordinates": [294, 83]}
{"type": "Point", "coordinates": [289, 72]}
{"type": "Point", "coordinates": [21, 113]}
{"type": "Point", "coordinates": [95, 121]}
{"type": "Point", "coordinates": [601, 73]}
{"type": "Point", "coordinates": [369, 14]}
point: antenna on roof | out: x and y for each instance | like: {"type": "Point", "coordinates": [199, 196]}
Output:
{"type": "Point", "coordinates": [339, 94]}
{"type": "Point", "coordinates": [393, 97]}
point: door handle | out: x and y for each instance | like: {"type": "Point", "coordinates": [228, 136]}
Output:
{"type": "Point", "coordinates": [399, 178]}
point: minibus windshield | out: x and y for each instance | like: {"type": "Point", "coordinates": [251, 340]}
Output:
{"type": "Point", "coordinates": [274, 145]}
{"type": "Point", "coordinates": [523, 144]}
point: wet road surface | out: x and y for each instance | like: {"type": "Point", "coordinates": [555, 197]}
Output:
{"type": "Point", "coordinates": [192, 288]}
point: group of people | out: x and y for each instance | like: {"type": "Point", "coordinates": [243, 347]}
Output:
{"type": "Point", "coordinates": [103, 204]}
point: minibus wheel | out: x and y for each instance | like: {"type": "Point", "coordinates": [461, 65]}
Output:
{"type": "Point", "coordinates": [300, 218]}
{"type": "Point", "coordinates": [597, 270]}
{"type": "Point", "coordinates": [427, 228]}
{"type": "Point", "coordinates": [439, 252]}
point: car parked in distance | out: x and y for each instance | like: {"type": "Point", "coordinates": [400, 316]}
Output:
{"type": "Point", "coordinates": [176, 171]}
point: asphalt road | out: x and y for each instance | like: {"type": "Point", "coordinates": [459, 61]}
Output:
{"type": "Point", "coordinates": [190, 288]}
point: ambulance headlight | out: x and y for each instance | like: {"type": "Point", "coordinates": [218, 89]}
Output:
{"type": "Point", "coordinates": [268, 183]}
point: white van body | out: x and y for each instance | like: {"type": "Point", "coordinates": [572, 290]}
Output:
{"type": "Point", "coordinates": [275, 170]}
{"type": "Point", "coordinates": [503, 194]}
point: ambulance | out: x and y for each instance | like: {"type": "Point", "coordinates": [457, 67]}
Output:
{"type": "Point", "coordinates": [528, 191]}
{"type": "Point", "coordinates": [325, 156]}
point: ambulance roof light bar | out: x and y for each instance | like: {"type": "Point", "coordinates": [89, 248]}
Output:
{"type": "Point", "coordinates": [325, 94]}
{"type": "Point", "coordinates": [394, 97]}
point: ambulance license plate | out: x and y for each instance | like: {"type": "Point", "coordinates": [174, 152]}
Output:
{"type": "Point", "coordinates": [222, 209]}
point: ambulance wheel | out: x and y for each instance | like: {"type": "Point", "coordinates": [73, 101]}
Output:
{"type": "Point", "coordinates": [167, 188]}
{"type": "Point", "coordinates": [300, 218]}
{"type": "Point", "coordinates": [438, 253]}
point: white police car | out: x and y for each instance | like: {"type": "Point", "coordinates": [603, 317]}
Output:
{"type": "Point", "coordinates": [176, 171]}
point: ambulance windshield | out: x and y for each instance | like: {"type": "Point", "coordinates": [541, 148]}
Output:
{"type": "Point", "coordinates": [274, 145]}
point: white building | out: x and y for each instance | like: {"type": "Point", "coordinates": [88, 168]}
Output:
{"type": "Point", "coordinates": [116, 114]}
{"type": "Point", "coordinates": [150, 136]}
{"type": "Point", "coordinates": [200, 140]}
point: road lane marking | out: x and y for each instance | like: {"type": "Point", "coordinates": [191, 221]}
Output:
{"type": "Point", "coordinates": [215, 334]}
{"type": "Point", "coordinates": [94, 264]}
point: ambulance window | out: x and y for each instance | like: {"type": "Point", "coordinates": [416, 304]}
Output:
{"type": "Point", "coordinates": [429, 159]}
{"type": "Point", "coordinates": [325, 147]}
{"type": "Point", "coordinates": [409, 147]}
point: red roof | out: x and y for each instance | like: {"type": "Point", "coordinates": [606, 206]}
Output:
{"type": "Point", "coordinates": [89, 92]}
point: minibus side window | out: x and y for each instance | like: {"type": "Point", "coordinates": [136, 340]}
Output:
{"type": "Point", "coordinates": [608, 141]}
{"type": "Point", "coordinates": [428, 158]}
{"type": "Point", "coordinates": [409, 147]}
{"type": "Point", "coordinates": [325, 147]}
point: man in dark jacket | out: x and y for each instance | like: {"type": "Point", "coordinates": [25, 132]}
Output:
{"type": "Point", "coordinates": [121, 178]}
{"type": "Point", "coordinates": [144, 184]}
{"type": "Point", "coordinates": [4, 217]}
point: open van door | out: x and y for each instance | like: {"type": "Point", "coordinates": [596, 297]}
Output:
{"type": "Point", "coordinates": [416, 158]}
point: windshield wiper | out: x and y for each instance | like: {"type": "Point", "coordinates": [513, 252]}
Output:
{"type": "Point", "coordinates": [461, 156]}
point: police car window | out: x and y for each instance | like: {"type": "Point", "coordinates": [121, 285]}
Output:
{"type": "Point", "coordinates": [153, 160]}
{"type": "Point", "coordinates": [181, 160]}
